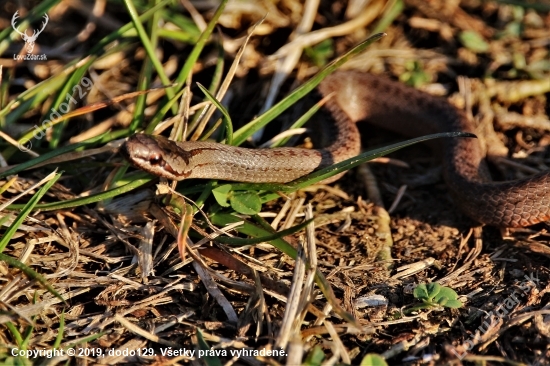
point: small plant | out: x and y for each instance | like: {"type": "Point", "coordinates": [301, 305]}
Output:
{"type": "Point", "coordinates": [321, 53]}
{"type": "Point", "coordinates": [415, 75]}
{"type": "Point", "coordinates": [372, 359]}
{"type": "Point", "coordinates": [434, 295]}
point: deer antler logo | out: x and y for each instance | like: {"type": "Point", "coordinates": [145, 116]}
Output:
{"type": "Point", "coordinates": [29, 40]}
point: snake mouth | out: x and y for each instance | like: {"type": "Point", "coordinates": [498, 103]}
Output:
{"type": "Point", "coordinates": [144, 152]}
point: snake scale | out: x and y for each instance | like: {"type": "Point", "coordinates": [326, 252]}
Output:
{"type": "Point", "coordinates": [356, 97]}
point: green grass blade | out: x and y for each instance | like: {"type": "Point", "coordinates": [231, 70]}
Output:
{"type": "Point", "coordinates": [299, 123]}
{"type": "Point", "coordinates": [85, 340]}
{"type": "Point", "coordinates": [27, 335]}
{"type": "Point", "coordinates": [203, 346]}
{"type": "Point", "coordinates": [60, 331]}
{"type": "Point", "coordinates": [26, 210]}
{"type": "Point", "coordinates": [146, 75]}
{"type": "Point", "coordinates": [264, 231]}
{"type": "Point", "coordinates": [89, 199]}
{"type": "Point", "coordinates": [32, 97]}
{"type": "Point", "coordinates": [189, 32]}
{"type": "Point", "coordinates": [47, 87]}
{"type": "Point", "coordinates": [42, 158]}
{"type": "Point", "coordinates": [332, 170]}
{"type": "Point", "coordinates": [15, 333]}
{"type": "Point", "coordinates": [367, 156]}
{"type": "Point", "coordinates": [249, 129]}
{"type": "Point", "coordinates": [247, 228]}
{"type": "Point", "coordinates": [226, 117]}
{"type": "Point", "coordinates": [5, 219]}
{"type": "Point", "coordinates": [32, 274]}
{"type": "Point", "coordinates": [392, 11]}
{"type": "Point", "coordinates": [162, 112]}
{"type": "Point", "coordinates": [215, 83]}
{"type": "Point", "coordinates": [148, 46]}
{"type": "Point", "coordinates": [194, 55]}
{"type": "Point", "coordinates": [262, 239]}
{"type": "Point", "coordinates": [75, 79]}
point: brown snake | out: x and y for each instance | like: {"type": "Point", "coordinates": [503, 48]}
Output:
{"type": "Point", "coordinates": [388, 104]}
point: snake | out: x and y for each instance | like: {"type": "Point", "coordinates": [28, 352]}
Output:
{"type": "Point", "coordinates": [359, 96]}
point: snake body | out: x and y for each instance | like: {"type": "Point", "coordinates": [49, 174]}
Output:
{"type": "Point", "coordinates": [359, 96]}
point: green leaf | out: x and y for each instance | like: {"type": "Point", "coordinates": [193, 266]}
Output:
{"type": "Point", "coordinates": [421, 292]}
{"type": "Point", "coordinates": [221, 194]}
{"type": "Point", "coordinates": [203, 346]}
{"type": "Point", "coordinates": [433, 289]}
{"type": "Point", "coordinates": [247, 203]}
{"type": "Point", "coordinates": [433, 293]}
{"type": "Point", "coordinates": [454, 304]}
{"type": "Point", "coordinates": [449, 294]}
{"type": "Point", "coordinates": [372, 359]}
{"type": "Point", "coordinates": [473, 41]}
{"type": "Point", "coordinates": [315, 357]}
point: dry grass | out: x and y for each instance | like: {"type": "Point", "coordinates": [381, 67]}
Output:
{"type": "Point", "coordinates": [132, 283]}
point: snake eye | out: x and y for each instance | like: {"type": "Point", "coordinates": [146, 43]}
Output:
{"type": "Point", "coordinates": [155, 159]}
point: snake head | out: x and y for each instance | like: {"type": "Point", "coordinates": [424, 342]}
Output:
{"type": "Point", "coordinates": [157, 155]}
